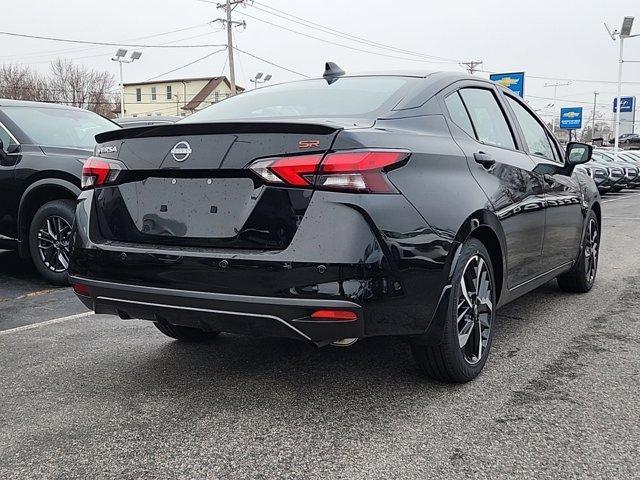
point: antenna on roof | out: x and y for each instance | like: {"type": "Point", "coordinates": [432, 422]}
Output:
{"type": "Point", "coordinates": [332, 72]}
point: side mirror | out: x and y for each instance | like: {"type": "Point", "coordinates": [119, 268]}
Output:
{"type": "Point", "coordinates": [578, 153]}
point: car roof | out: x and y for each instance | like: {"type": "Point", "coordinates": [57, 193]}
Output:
{"type": "Point", "coordinates": [5, 102]}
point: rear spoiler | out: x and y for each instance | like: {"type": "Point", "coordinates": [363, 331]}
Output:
{"type": "Point", "coordinates": [181, 129]}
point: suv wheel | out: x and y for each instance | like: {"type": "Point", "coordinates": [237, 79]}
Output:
{"type": "Point", "coordinates": [49, 236]}
{"type": "Point", "coordinates": [468, 330]}
{"type": "Point", "coordinates": [185, 334]}
{"type": "Point", "coordinates": [581, 278]}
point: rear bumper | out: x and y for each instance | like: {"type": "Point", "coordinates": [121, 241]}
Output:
{"type": "Point", "coordinates": [242, 314]}
{"type": "Point", "coordinates": [372, 255]}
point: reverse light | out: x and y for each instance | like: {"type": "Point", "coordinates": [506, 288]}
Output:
{"type": "Point", "coordinates": [334, 315]}
{"type": "Point", "coordinates": [356, 170]}
{"type": "Point", "coordinates": [97, 172]}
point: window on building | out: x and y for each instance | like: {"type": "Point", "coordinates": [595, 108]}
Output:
{"type": "Point", "coordinates": [169, 93]}
{"type": "Point", "coordinates": [153, 94]}
{"type": "Point", "coordinates": [138, 94]}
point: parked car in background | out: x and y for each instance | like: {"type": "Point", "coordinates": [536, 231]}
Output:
{"type": "Point", "coordinates": [627, 139]}
{"type": "Point", "coordinates": [631, 170]}
{"type": "Point", "coordinates": [600, 174]}
{"type": "Point", "coordinates": [131, 122]}
{"type": "Point", "coordinates": [338, 208]}
{"type": "Point", "coordinates": [42, 150]}
{"type": "Point", "coordinates": [632, 156]}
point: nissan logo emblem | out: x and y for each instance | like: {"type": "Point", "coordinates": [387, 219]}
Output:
{"type": "Point", "coordinates": [181, 151]}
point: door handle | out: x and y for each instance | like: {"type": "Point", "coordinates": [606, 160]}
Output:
{"type": "Point", "coordinates": [484, 159]}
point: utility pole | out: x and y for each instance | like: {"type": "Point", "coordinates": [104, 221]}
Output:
{"type": "Point", "coordinates": [593, 120]}
{"type": "Point", "coordinates": [229, 5]}
{"type": "Point", "coordinates": [555, 86]}
{"type": "Point", "coordinates": [472, 66]}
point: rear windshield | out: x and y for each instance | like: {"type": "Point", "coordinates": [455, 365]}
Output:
{"type": "Point", "coordinates": [346, 97]}
{"type": "Point", "coordinates": [56, 127]}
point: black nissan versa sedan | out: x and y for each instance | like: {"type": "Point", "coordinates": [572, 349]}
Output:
{"type": "Point", "coordinates": [42, 149]}
{"type": "Point", "coordinates": [338, 208]}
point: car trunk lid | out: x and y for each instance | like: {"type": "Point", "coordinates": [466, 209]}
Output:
{"type": "Point", "coordinates": [187, 185]}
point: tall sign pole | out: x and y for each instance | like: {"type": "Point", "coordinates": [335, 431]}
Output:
{"type": "Point", "coordinates": [593, 120]}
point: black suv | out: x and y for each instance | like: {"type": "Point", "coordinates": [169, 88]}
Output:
{"type": "Point", "coordinates": [338, 208]}
{"type": "Point", "coordinates": [42, 150]}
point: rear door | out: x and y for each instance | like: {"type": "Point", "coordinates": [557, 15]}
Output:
{"type": "Point", "coordinates": [504, 172]}
{"type": "Point", "coordinates": [563, 198]}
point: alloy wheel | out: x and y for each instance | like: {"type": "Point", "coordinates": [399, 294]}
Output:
{"type": "Point", "coordinates": [475, 309]}
{"type": "Point", "coordinates": [53, 243]}
{"type": "Point", "coordinates": [591, 250]}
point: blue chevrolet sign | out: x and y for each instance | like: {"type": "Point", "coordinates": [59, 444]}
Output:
{"type": "Point", "coordinates": [512, 81]}
{"type": "Point", "coordinates": [628, 104]}
{"type": "Point", "coordinates": [571, 118]}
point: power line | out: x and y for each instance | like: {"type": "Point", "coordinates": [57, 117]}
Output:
{"type": "Point", "coordinates": [576, 80]}
{"type": "Point", "coordinates": [342, 44]}
{"type": "Point", "coordinates": [333, 31]}
{"type": "Point", "coordinates": [187, 65]}
{"type": "Point", "coordinates": [271, 63]}
{"type": "Point", "coordinates": [108, 44]}
{"type": "Point", "coordinates": [155, 35]}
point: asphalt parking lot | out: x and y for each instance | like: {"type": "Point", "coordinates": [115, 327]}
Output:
{"type": "Point", "coordinates": [86, 396]}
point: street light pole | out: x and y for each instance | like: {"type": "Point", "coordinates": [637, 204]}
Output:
{"type": "Point", "coordinates": [119, 57]}
{"type": "Point", "coordinates": [616, 146]}
{"type": "Point", "coordinates": [622, 34]}
{"type": "Point", "coordinates": [121, 91]}
{"type": "Point", "coordinates": [555, 99]}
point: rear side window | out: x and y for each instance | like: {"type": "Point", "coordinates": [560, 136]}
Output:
{"type": "Point", "coordinates": [488, 119]}
{"type": "Point", "coordinates": [534, 134]}
{"type": "Point", "coordinates": [458, 113]}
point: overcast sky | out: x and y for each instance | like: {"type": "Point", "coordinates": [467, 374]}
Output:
{"type": "Point", "coordinates": [559, 39]}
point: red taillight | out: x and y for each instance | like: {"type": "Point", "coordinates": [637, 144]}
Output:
{"type": "Point", "coordinates": [81, 289]}
{"type": "Point", "coordinates": [362, 171]}
{"type": "Point", "coordinates": [335, 315]}
{"type": "Point", "coordinates": [99, 171]}
{"type": "Point", "coordinates": [297, 171]}
{"type": "Point", "coordinates": [357, 170]}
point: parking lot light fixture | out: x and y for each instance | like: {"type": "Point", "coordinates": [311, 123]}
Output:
{"type": "Point", "coordinates": [120, 58]}
{"type": "Point", "coordinates": [258, 79]}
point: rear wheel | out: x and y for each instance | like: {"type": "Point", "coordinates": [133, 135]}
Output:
{"type": "Point", "coordinates": [468, 328]}
{"type": "Point", "coordinates": [581, 278]}
{"type": "Point", "coordinates": [49, 236]}
{"type": "Point", "coordinates": [185, 334]}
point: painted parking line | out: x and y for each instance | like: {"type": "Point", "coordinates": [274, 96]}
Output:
{"type": "Point", "coordinates": [45, 323]}
{"type": "Point", "coordinates": [621, 218]}
{"type": "Point", "coordinates": [621, 198]}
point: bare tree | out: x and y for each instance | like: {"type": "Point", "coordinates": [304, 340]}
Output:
{"type": "Point", "coordinates": [82, 87]}
{"type": "Point", "coordinates": [20, 83]}
{"type": "Point", "coordinates": [66, 83]}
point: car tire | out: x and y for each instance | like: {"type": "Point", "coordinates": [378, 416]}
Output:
{"type": "Point", "coordinates": [582, 276]}
{"type": "Point", "coordinates": [49, 236]}
{"type": "Point", "coordinates": [469, 321]}
{"type": "Point", "coordinates": [185, 334]}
